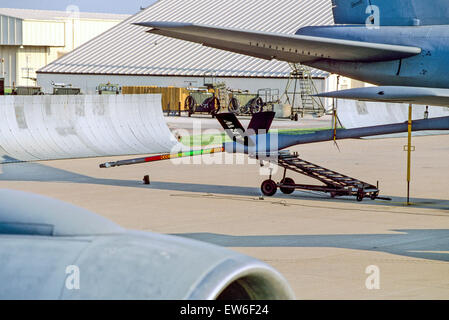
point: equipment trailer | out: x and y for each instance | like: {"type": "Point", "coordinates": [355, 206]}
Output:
{"type": "Point", "coordinates": [336, 184]}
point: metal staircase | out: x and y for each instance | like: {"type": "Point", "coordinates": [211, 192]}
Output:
{"type": "Point", "coordinates": [301, 99]}
{"type": "Point", "coordinates": [336, 184]}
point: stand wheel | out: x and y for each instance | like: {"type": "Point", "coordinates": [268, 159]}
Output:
{"type": "Point", "coordinates": [286, 189]}
{"type": "Point", "coordinates": [269, 188]}
{"type": "Point", "coordinates": [374, 196]}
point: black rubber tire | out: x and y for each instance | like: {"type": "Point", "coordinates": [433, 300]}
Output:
{"type": "Point", "coordinates": [269, 188]}
{"type": "Point", "coordinates": [374, 196]}
{"type": "Point", "coordinates": [256, 105]}
{"type": "Point", "coordinates": [287, 190]}
{"type": "Point", "coordinates": [213, 105]}
{"type": "Point", "coordinates": [234, 106]}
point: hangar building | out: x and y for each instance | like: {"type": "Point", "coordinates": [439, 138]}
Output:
{"type": "Point", "coordinates": [31, 39]}
{"type": "Point", "coordinates": [128, 56]}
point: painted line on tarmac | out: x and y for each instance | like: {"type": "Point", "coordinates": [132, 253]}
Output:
{"type": "Point", "coordinates": [287, 204]}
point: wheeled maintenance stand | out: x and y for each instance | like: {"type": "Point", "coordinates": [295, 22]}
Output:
{"type": "Point", "coordinates": [336, 184]}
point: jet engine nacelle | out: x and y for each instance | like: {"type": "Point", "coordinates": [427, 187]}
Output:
{"type": "Point", "coordinates": [52, 250]}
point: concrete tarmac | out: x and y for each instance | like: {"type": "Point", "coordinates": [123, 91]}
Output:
{"type": "Point", "coordinates": [323, 246]}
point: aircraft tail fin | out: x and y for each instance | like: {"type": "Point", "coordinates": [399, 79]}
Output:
{"type": "Point", "coordinates": [261, 122]}
{"type": "Point", "coordinates": [391, 12]}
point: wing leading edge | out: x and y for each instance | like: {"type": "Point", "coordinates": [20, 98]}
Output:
{"type": "Point", "coordinates": [291, 48]}
{"type": "Point", "coordinates": [394, 94]}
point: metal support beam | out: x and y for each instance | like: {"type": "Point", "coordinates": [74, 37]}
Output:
{"type": "Point", "coordinates": [409, 152]}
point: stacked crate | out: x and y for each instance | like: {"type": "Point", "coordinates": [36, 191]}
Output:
{"type": "Point", "coordinates": [172, 97]}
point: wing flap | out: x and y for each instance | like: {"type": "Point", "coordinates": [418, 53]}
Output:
{"type": "Point", "coordinates": [291, 48]}
{"type": "Point", "coordinates": [394, 94]}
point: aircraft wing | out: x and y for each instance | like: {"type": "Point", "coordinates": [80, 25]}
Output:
{"type": "Point", "coordinates": [394, 94]}
{"type": "Point", "coordinates": [284, 47]}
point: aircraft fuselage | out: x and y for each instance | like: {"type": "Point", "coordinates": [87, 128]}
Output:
{"type": "Point", "coordinates": [428, 69]}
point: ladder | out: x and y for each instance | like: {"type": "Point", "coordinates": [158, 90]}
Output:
{"type": "Point", "coordinates": [304, 87]}
{"type": "Point", "coordinates": [336, 184]}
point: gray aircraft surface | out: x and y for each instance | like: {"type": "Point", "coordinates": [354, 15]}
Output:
{"type": "Point", "coordinates": [47, 246]}
{"type": "Point", "coordinates": [400, 44]}
{"type": "Point", "coordinates": [51, 250]}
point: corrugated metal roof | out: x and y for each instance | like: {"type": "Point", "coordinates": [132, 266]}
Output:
{"type": "Point", "coordinates": [128, 50]}
{"type": "Point", "coordinates": [30, 14]}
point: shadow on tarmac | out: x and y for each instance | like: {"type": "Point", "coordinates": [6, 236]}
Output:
{"type": "Point", "coordinates": [38, 172]}
{"type": "Point", "coordinates": [425, 244]}
{"type": "Point", "coordinates": [422, 244]}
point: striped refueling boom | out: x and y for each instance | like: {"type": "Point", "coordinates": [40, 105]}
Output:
{"type": "Point", "coordinates": [162, 157]}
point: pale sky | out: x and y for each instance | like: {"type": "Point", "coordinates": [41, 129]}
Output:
{"type": "Point", "coordinates": [104, 6]}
